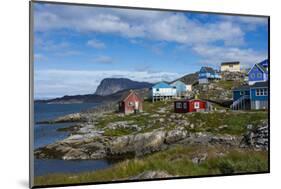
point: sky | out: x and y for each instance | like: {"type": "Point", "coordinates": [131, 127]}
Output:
{"type": "Point", "coordinates": [75, 47]}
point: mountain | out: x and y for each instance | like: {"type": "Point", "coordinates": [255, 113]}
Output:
{"type": "Point", "coordinates": [93, 98]}
{"type": "Point", "coordinates": [189, 78]}
{"type": "Point", "coordinates": [110, 86]}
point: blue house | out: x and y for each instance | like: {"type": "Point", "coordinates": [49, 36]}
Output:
{"type": "Point", "coordinates": [163, 91]}
{"type": "Point", "coordinates": [206, 74]}
{"type": "Point", "coordinates": [181, 87]}
{"type": "Point", "coordinates": [258, 73]}
{"type": "Point", "coordinates": [251, 97]}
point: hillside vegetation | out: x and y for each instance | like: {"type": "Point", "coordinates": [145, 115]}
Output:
{"type": "Point", "coordinates": [177, 161]}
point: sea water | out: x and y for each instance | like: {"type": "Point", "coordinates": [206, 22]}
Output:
{"type": "Point", "coordinates": [47, 134]}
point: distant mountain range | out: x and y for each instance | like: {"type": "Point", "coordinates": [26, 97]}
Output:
{"type": "Point", "coordinates": [93, 98]}
{"type": "Point", "coordinates": [110, 86]}
{"type": "Point", "coordinates": [112, 89]}
{"type": "Point", "coordinates": [109, 90]}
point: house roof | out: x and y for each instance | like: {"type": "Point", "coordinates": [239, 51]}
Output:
{"type": "Point", "coordinates": [127, 94]}
{"type": "Point", "coordinates": [209, 69]}
{"type": "Point", "coordinates": [256, 85]}
{"type": "Point", "coordinates": [262, 66]}
{"type": "Point", "coordinates": [260, 84]}
{"type": "Point", "coordinates": [243, 87]}
{"type": "Point", "coordinates": [178, 82]}
{"type": "Point", "coordinates": [162, 85]}
{"type": "Point", "coordinates": [190, 100]}
{"type": "Point", "coordinates": [230, 63]}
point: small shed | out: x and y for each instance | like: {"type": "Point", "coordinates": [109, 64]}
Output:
{"type": "Point", "coordinates": [195, 105]}
{"type": "Point", "coordinates": [130, 103]}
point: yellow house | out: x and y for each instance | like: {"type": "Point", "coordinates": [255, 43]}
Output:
{"type": "Point", "coordinates": [230, 66]}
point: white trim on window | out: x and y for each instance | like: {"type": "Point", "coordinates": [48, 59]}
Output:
{"type": "Point", "coordinates": [261, 92]}
{"type": "Point", "coordinates": [196, 105]}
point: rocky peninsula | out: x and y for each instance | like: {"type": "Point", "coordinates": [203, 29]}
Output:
{"type": "Point", "coordinates": [109, 135]}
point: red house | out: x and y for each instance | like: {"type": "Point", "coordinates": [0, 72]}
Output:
{"type": "Point", "coordinates": [130, 103]}
{"type": "Point", "coordinates": [195, 105]}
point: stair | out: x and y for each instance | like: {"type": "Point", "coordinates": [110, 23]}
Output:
{"type": "Point", "coordinates": [242, 103]}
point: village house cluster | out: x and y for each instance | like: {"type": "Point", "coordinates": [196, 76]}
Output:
{"type": "Point", "coordinates": [252, 96]}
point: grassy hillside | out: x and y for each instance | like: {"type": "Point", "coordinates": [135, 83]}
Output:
{"type": "Point", "coordinates": [160, 115]}
{"type": "Point", "coordinates": [217, 90]}
{"type": "Point", "coordinates": [177, 161]}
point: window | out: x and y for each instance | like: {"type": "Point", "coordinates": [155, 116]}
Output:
{"type": "Point", "coordinates": [252, 75]}
{"type": "Point", "coordinates": [231, 66]}
{"type": "Point", "coordinates": [242, 92]}
{"type": "Point", "coordinates": [261, 92]}
{"type": "Point", "coordinates": [265, 92]}
{"type": "Point", "coordinates": [259, 75]}
{"type": "Point", "coordinates": [178, 105]}
{"type": "Point", "coordinates": [157, 90]}
{"type": "Point", "coordinates": [196, 105]}
{"type": "Point", "coordinates": [131, 103]}
{"type": "Point", "coordinates": [258, 92]}
{"type": "Point", "coordinates": [184, 106]}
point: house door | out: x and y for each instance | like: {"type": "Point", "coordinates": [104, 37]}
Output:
{"type": "Point", "coordinates": [196, 105]}
{"type": "Point", "coordinates": [136, 105]}
{"type": "Point", "coordinates": [257, 105]}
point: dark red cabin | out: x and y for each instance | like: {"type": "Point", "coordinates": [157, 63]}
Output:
{"type": "Point", "coordinates": [130, 103]}
{"type": "Point", "coordinates": [195, 105]}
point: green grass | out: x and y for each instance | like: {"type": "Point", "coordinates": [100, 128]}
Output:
{"type": "Point", "coordinates": [117, 132]}
{"type": "Point", "coordinates": [229, 85]}
{"type": "Point", "coordinates": [175, 161]}
{"type": "Point", "coordinates": [141, 119]}
{"type": "Point", "coordinates": [235, 122]}
{"type": "Point", "coordinates": [224, 85]}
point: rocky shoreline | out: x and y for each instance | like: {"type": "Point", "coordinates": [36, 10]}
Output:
{"type": "Point", "coordinates": [88, 141]}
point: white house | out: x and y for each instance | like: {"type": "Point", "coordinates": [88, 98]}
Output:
{"type": "Point", "coordinates": [230, 66]}
{"type": "Point", "coordinates": [162, 91]}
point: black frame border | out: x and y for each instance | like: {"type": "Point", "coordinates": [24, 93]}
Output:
{"type": "Point", "coordinates": [31, 92]}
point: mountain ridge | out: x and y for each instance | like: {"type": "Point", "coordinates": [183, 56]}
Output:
{"type": "Point", "coordinates": [110, 86]}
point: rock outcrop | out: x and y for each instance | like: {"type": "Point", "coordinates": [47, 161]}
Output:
{"type": "Point", "coordinates": [151, 175]}
{"type": "Point", "coordinates": [92, 144]}
{"type": "Point", "coordinates": [140, 144]}
{"type": "Point", "coordinates": [256, 138]}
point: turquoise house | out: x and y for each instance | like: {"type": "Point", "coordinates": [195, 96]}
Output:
{"type": "Point", "coordinates": [181, 87]}
{"type": "Point", "coordinates": [251, 97]}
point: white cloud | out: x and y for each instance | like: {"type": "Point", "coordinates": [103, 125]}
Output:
{"type": "Point", "coordinates": [213, 55]}
{"type": "Point", "coordinates": [155, 25]}
{"type": "Point", "coordinates": [252, 20]}
{"type": "Point", "coordinates": [96, 44]}
{"type": "Point", "coordinates": [56, 83]}
{"type": "Point", "coordinates": [50, 45]}
{"type": "Point", "coordinates": [103, 59]}
{"type": "Point", "coordinates": [249, 23]}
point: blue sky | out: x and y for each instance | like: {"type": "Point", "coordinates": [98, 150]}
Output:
{"type": "Point", "coordinates": [75, 47]}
